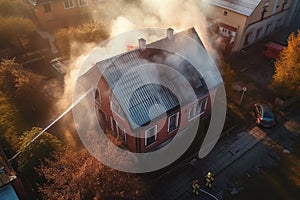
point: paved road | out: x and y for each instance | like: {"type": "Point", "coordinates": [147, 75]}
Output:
{"type": "Point", "coordinates": [235, 156]}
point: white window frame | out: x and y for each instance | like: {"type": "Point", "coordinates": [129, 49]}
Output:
{"type": "Point", "coordinates": [82, 5]}
{"type": "Point", "coordinates": [117, 127]}
{"type": "Point", "coordinates": [195, 107]}
{"type": "Point", "coordinates": [123, 129]}
{"type": "Point", "coordinates": [146, 135]}
{"type": "Point", "coordinates": [177, 122]}
{"type": "Point", "coordinates": [119, 111]}
{"type": "Point", "coordinates": [64, 2]}
{"type": "Point", "coordinates": [99, 100]}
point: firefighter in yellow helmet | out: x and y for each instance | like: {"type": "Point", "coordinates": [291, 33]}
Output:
{"type": "Point", "coordinates": [195, 187]}
{"type": "Point", "coordinates": [209, 179]}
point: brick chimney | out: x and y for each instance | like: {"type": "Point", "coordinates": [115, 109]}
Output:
{"type": "Point", "coordinates": [170, 33]}
{"type": "Point", "coordinates": [142, 43]}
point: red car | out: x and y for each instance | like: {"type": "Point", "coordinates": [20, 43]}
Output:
{"type": "Point", "coordinates": [272, 50]}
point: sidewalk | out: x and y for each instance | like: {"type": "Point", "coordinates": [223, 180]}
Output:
{"type": "Point", "coordinates": [177, 185]}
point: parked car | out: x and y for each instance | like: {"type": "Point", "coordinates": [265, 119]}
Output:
{"type": "Point", "coordinates": [264, 115]}
{"type": "Point", "coordinates": [58, 65]}
{"type": "Point", "coordinates": [272, 50]}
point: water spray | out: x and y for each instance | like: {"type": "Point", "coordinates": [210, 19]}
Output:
{"type": "Point", "coordinates": [52, 123]}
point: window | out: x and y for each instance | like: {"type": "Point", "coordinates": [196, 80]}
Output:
{"type": "Point", "coordinates": [173, 122]}
{"type": "Point", "coordinates": [122, 133]}
{"type": "Point", "coordinates": [114, 106]}
{"type": "Point", "coordinates": [283, 5]}
{"type": "Point", "coordinates": [47, 8]}
{"type": "Point", "coordinates": [225, 13]}
{"type": "Point", "coordinates": [197, 109]}
{"type": "Point", "coordinates": [97, 96]}
{"type": "Point", "coordinates": [264, 10]}
{"type": "Point", "coordinates": [150, 135]}
{"type": "Point", "coordinates": [82, 3]}
{"type": "Point", "coordinates": [68, 4]}
{"type": "Point", "coordinates": [258, 32]}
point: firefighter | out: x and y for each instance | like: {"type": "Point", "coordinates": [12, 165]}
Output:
{"type": "Point", "coordinates": [209, 179]}
{"type": "Point", "coordinates": [195, 187]}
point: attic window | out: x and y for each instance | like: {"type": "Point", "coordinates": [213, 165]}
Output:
{"type": "Point", "coordinates": [225, 13]}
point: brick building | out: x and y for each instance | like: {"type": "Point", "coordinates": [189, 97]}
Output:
{"type": "Point", "coordinates": [143, 102]}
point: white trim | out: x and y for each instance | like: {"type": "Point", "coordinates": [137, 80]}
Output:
{"type": "Point", "coordinates": [68, 3]}
{"type": "Point", "coordinates": [119, 108]}
{"type": "Point", "coordinates": [117, 127]}
{"type": "Point", "coordinates": [87, 2]}
{"type": "Point", "coordinates": [200, 111]}
{"type": "Point", "coordinates": [146, 134]}
{"type": "Point", "coordinates": [177, 119]}
{"type": "Point", "coordinates": [98, 100]}
{"type": "Point", "coordinates": [123, 129]}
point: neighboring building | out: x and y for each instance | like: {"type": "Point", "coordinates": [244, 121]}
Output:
{"type": "Point", "coordinates": [152, 102]}
{"type": "Point", "coordinates": [53, 14]}
{"type": "Point", "coordinates": [10, 186]}
{"type": "Point", "coordinates": [240, 23]}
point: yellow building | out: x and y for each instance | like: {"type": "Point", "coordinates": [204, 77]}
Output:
{"type": "Point", "coordinates": [240, 23]}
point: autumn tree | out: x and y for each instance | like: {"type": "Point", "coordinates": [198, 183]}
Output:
{"type": "Point", "coordinates": [78, 175]}
{"type": "Point", "coordinates": [24, 88]}
{"type": "Point", "coordinates": [16, 31]}
{"type": "Point", "coordinates": [15, 8]}
{"type": "Point", "coordinates": [89, 32]}
{"type": "Point", "coordinates": [8, 131]}
{"type": "Point", "coordinates": [286, 79]}
{"type": "Point", "coordinates": [34, 151]}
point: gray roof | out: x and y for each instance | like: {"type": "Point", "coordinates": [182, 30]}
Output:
{"type": "Point", "coordinates": [149, 83]}
{"type": "Point", "coordinates": [146, 87]}
{"type": "Point", "coordinates": [244, 7]}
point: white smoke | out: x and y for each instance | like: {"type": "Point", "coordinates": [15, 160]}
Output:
{"type": "Point", "coordinates": [124, 16]}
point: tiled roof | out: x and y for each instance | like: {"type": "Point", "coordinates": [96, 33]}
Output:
{"type": "Point", "coordinates": [244, 7]}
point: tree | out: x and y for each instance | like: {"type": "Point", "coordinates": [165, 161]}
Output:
{"type": "Point", "coordinates": [89, 32]}
{"type": "Point", "coordinates": [78, 175]}
{"type": "Point", "coordinates": [24, 88]}
{"type": "Point", "coordinates": [15, 8]}
{"type": "Point", "coordinates": [33, 153]}
{"type": "Point", "coordinates": [8, 132]}
{"type": "Point", "coordinates": [286, 79]}
{"type": "Point", "coordinates": [16, 31]}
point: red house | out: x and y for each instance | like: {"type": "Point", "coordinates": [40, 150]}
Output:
{"type": "Point", "coordinates": [147, 94]}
